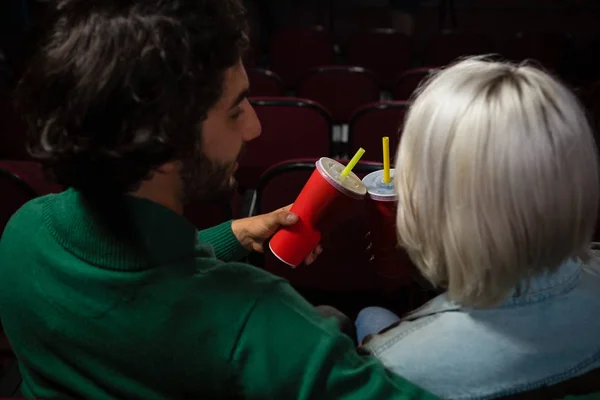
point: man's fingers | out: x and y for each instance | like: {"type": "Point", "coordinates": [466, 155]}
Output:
{"type": "Point", "coordinates": [312, 257]}
{"type": "Point", "coordinates": [259, 248]}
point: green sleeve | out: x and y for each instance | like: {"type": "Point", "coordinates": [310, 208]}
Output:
{"type": "Point", "coordinates": [227, 247]}
{"type": "Point", "coordinates": [286, 350]}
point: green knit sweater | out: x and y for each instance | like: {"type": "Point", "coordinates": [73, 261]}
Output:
{"type": "Point", "coordinates": [88, 318]}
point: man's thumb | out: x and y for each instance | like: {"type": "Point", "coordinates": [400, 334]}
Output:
{"type": "Point", "coordinates": [286, 218]}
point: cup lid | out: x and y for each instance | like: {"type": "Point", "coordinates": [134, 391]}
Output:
{"type": "Point", "coordinates": [351, 185]}
{"type": "Point", "coordinates": [377, 189]}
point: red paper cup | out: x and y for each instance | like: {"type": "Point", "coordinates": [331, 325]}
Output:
{"type": "Point", "coordinates": [390, 261]}
{"type": "Point", "coordinates": [323, 191]}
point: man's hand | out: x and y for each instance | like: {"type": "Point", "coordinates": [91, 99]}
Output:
{"type": "Point", "coordinates": [253, 232]}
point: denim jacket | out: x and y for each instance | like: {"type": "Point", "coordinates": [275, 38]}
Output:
{"type": "Point", "coordinates": [550, 333]}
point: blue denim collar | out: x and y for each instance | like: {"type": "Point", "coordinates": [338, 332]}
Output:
{"type": "Point", "coordinates": [546, 285]}
{"type": "Point", "coordinates": [528, 291]}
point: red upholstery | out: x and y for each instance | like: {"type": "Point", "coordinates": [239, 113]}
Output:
{"type": "Point", "coordinates": [12, 132]}
{"type": "Point", "coordinates": [265, 83]}
{"type": "Point", "coordinates": [32, 174]}
{"type": "Point", "coordinates": [384, 51]}
{"type": "Point", "coordinates": [341, 90]}
{"type": "Point", "coordinates": [344, 265]}
{"type": "Point", "coordinates": [295, 51]}
{"type": "Point", "coordinates": [447, 48]}
{"type": "Point", "coordinates": [409, 81]}
{"type": "Point", "coordinates": [291, 128]}
{"type": "Point", "coordinates": [15, 193]}
{"type": "Point", "coordinates": [547, 49]}
{"type": "Point", "coordinates": [374, 121]}
{"type": "Point", "coordinates": [21, 181]}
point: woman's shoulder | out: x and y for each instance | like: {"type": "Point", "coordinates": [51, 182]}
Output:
{"type": "Point", "coordinates": [591, 268]}
{"type": "Point", "coordinates": [465, 353]}
{"type": "Point", "coordinates": [418, 327]}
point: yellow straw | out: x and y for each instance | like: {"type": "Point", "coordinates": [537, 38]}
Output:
{"type": "Point", "coordinates": [353, 162]}
{"type": "Point", "coordinates": [386, 160]}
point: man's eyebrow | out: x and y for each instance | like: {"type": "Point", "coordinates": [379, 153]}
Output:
{"type": "Point", "coordinates": [243, 95]}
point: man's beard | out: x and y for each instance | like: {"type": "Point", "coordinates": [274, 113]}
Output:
{"type": "Point", "coordinates": [205, 180]}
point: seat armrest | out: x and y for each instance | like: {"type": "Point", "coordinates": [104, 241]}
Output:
{"type": "Point", "coordinates": [248, 207]}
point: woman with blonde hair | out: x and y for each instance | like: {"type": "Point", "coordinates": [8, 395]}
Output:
{"type": "Point", "coordinates": [497, 180]}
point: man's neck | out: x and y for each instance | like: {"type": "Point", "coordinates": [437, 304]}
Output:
{"type": "Point", "coordinates": [162, 191]}
{"type": "Point", "coordinates": [164, 201]}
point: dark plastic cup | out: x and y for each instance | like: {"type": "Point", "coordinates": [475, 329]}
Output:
{"type": "Point", "coordinates": [390, 261]}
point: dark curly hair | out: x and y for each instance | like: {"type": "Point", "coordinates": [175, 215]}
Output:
{"type": "Point", "coordinates": [119, 86]}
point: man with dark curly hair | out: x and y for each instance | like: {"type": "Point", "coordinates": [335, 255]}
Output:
{"type": "Point", "coordinates": [106, 291]}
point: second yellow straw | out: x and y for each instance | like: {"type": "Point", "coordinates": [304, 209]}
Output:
{"type": "Point", "coordinates": [386, 160]}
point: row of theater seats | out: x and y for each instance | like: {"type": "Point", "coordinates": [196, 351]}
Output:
{"type": "Point", "coordinates": [331, 96]}
{"type": "Point", "coordinates": [296, 128]}
{"type": "Point", "coordinates": [340, 89]}
{"type": "Point", "coordinates": [295, 51]}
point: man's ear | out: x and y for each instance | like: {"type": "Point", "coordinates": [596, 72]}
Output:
{"type": "Point", "coordinates": [169, 167]}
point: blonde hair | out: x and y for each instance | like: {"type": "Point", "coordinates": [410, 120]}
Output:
{"type": "Point", "coordinates": [497, 177]}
